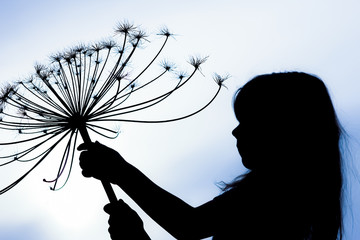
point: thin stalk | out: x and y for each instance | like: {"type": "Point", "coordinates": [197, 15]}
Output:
{"type": "Point", "coordinates": [148, 101]}
{"type": "Point", "coordinates": [107, 186]}
{"type": "Point", "coordinates": [167, 120]}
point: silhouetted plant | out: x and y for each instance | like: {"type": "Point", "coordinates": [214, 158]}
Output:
{"type": "Point", "coordinates": [78, 91]}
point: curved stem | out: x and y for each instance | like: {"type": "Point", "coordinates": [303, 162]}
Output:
{"type": "Point", "coordinates": [162, 121]}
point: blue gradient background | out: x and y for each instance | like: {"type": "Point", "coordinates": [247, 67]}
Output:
{"type": "Point", "coordinates": [187, 158]}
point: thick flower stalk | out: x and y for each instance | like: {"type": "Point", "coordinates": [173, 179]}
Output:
{"type": "Point", "coordinates": [78, 92]}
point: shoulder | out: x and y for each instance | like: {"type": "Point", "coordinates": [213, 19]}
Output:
{"type": "Point", "coordinates": [236, 200]}
{"type": "Point", "coordinates": [240, 191]}
{"type": "Point", "coordinates": [229, 195]}
{"type": "Point", "coordinates": [234, 212]}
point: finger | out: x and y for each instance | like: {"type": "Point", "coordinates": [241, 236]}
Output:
{"type": "Point", "coordinates": [87, 160]}
{"type": "Point", "coordinates": [108, 208]}
{"type": "Point", "coordinates": [114, 235]}
{"type": "Point", "coordinates": [115, 207]}
{"type": "Point", "coordinates": [83, 146]}
{"type": "Point", "coordinates": [87, 146]}
{"type": "Point", "coordinates": [84, 160]}
{"type": "Point", "coordinates": [86, 174]}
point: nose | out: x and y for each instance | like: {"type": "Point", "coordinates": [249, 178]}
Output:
{"type": "Point", "coordinates": [235, 132]}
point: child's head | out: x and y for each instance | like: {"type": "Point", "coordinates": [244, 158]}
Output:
{"type": "Point", "coordinates": [284, 118]}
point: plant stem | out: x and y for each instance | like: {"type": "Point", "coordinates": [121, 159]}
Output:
{"type": "Point", "coordinates": [107, 186]}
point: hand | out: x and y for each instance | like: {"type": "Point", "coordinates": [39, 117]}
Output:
{"type": "Point", "coordinates": [124, 222]}
{"type": "Point", "coordinates": [100, 161]}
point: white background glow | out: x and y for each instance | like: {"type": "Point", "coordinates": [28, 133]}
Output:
{"type": "Point", "coordinates": [187, 158]}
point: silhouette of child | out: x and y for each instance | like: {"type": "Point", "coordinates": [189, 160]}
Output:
{"type": "Point", "coordinates": [288, 138]}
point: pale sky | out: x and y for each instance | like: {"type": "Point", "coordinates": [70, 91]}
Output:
{"type": "Point", "coordinates": [187, 158]}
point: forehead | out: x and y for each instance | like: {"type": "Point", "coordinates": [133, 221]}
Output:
{"type": "Point", "coordinates": [244, 106]}
{"type": "Point", "coordinates": [254, 103]}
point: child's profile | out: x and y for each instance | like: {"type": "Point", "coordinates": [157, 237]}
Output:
{"type": "Point", "coordinates": [288, 138]}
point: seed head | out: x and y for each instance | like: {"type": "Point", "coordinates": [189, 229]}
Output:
{"type": "Point", "coordinates": [168, 66]}
{"type": "Point", "coordinates": [197, 61]}
{"type": "Point", "coordinates": [165, 32]}
{"type": "Point", "coordinates": [124, 27]}
{"type": "Point", "coordinates": [6, 93]}
{"type": "Point", "coordinates": [56, 57]}
{"type": "Point", "coordinates": [80, 48]}
{"type": "Point", "coordinates": [109, 44]}
{"type": "Point", "coordinates": [138, 37]}
{"type": "Point", "coordinates": [182, 74]}
{"type": "Point", "coordinates": [96, 47]}
{"type": "Point", "coordinates": [220, 79]}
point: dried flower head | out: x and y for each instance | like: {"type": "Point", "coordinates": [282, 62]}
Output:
{"type": "Point", "coordinates": [197, 61]}
{"type": "Point", "coordinates": [124, 28]}
{"type": "Point", "coordinates": [220, 79]}
{"type": "Point", "coordinates": [6, 93]}
{"type": "Point", "coordinates": [165, 32]}
{"type": "Point", "coordinates": [78, 92]}
{"type": "Point", "coordinates": [167, 65]}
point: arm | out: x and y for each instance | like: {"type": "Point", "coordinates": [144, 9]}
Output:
{"type": "Point", "coordinates": [177, 217]}
{"type": "Point", "coordinates": [170, 212]}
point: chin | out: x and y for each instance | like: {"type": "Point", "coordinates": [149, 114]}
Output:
{"type": "Point", "coordinates": [246, 163]}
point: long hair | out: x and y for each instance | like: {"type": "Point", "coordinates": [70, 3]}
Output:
{"type": "Point", "coordinates": [291, 118]}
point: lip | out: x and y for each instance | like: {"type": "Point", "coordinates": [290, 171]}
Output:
{"type": "Point", "coordinates": [238, 146]}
